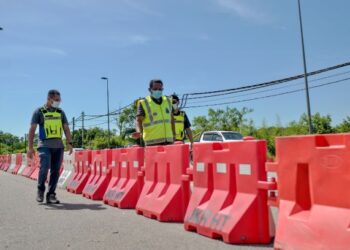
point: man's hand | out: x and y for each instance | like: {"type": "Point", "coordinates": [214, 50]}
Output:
{"type": "Point", "coordinates": [70, 149]}
{"type": "Point", "coordinates": [31, 134]}
{"type": "Point", "coordinates": [136, 135]}
{"type": "Point", "coordinates": [30, 153]}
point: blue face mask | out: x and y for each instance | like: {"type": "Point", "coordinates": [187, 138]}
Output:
{"type": "Point", "coordinates": [157, 94]}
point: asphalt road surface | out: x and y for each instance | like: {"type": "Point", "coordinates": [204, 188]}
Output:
{"type": "Point", "coordinates": [79, 223]}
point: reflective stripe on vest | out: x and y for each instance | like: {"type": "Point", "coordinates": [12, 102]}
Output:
{"type": "Point", "coordinates": [180, 126]}
{"type": "Point", "coordinates": [157, 122]}
{"type": "Point", "coordinates": [53, 126]}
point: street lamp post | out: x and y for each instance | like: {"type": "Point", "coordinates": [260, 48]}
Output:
{"type": "Point", "coordinates": [109, 131]}
{"type": "Point", "coordinates": [305, 72]}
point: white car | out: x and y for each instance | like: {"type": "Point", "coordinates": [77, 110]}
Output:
{"type": "Point", "coordinates": [210, 136]}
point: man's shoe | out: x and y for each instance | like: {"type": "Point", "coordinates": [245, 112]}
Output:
{"type": "Point", "coordinates": [51, 199]}
{"type": "Point", "coordinates": [40, 196]}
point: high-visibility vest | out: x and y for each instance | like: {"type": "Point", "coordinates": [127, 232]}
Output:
{"type": "Point", "coordinates": [53, 126]}
{"type": "Point", "coordinates": [157, 122]}
{"type": "Point", "coordinates": [180, 126]}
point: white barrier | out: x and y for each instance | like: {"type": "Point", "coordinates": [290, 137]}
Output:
{"type": "Point", "coordinates": [24, 164]}
{"type": "Point", "coordinates": [67, 173]}
{"type": "Point", "coordinates": [13, 163]}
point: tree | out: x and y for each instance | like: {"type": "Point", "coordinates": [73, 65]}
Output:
{"type": "Point", "coordinates": [126, 119]}
{"type": "Point", "coordinates": [102, 142]}
{"type": "Point", "coordinates": [201, 123]}
{"type": "Point", "coordinates": [222, 119]}
{"type": "Point", "coordinates": [248, 128]}
{"type": "Point", "coordinates": [321, 124]}
{"type": "Point", "coordinates": [344, 127]}
{"type": "Point", "coordinates": [11, 144]}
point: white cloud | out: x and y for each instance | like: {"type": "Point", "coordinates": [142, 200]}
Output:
{"type": "Point", "coordinates": [203, 37]}
{"type": "Point", "coordinates": [241, 9]}
{"type": "Point", "coordinates": [139, 39]}
{"type": "Point", "coordinates": [54, 51]}
{"type": "Point", "coordinates": [28, 50]}
{"type": "Point", "coordinates": [138, 6]}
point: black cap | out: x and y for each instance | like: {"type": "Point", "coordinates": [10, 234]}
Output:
{"type": "Point", "coordinates": [53, 92]}
{"type": "Point", "coordinates": [155, 81]}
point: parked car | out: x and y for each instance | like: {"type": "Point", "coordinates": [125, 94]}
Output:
{"type": "Point", "coordinates": [209, 136]}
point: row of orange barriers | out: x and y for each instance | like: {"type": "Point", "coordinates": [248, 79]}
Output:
{"type": "Point", "coordinates": [30, 168]}
{"type": "Point", "coordinates": [230, 194]}
{"type": "Point", "coordinates": [19, 164]}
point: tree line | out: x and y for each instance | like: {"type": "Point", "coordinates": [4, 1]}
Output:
{"type": "Point", "coordinates": [231, 119]}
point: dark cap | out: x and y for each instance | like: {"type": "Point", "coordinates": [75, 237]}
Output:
{"type": "Point", "coordinates": [155, 81]}
{"type": "Point", "coordinates": [53, 92]}
{"type": "Point", "coordinates": [175, 97]}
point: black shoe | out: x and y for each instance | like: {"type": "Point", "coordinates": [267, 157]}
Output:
{"type": "Point", "coordinates": [51, 199]}
{"type": "Point", "coordinates": [40, 196]}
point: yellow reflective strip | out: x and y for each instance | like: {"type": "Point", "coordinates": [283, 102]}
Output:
{"type": "Point", "coordinates": [149, 111]}
{"type": "Point", "coordinates": [169, 103]}
{"type": "Point", "coordinates": [155, 123]}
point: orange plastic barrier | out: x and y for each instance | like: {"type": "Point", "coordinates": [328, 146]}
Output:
{"type": "Point", "coordinates": [81, 172]}
{"type": "Point", "coordinates": [115, 175]}
{"type": "Point", "coordinates": [97, 184]}
{"type": "Point", "coordinates": [18, 163]}
{"type": "Point", "coordinates": [35, 174]}
{"type": "Point", "coordinates": [126, 184]}
{"type": "Point", "coordinates": [6, 162]}
{"type": "Point", "coordinates": [228, 201]}
{"type": "Point", "coordinates": [313, 181]}
{"type": "Point", "coordinates": [166, 190]}
{"type": "Point", "coordinates": [32, 165]}
{"type": "Point", "coordinates": [2, 161]}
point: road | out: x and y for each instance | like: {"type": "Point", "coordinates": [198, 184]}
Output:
{"type": "Point", "coordinates": [79, 223]}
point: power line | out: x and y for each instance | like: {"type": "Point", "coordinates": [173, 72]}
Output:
{"type": "Point", "coordinates": [210, 94]}
{"type": "Point", "coordinates": [265, 84]}
{"type": "Point", "coordinates": [115, 112]}
{"type": "Point", "coordinates": [93, 125]}
{"type": "Point", "coordinates": [269, 96]}
{"type": "Point", "coordinates": [118, 111]}
{"type": "Point", "coordinates": [271, 89]}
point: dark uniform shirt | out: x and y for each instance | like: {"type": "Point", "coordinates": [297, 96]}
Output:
{"type": "Point", "coordinates": [38, 118]}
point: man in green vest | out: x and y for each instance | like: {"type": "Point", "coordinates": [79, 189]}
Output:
{"type": "Point", "coordinates": [182, 123]}
{"type": "Point", "coordinates": [154, 119]}
{"type": "Point", "coordinates": [52, 123]}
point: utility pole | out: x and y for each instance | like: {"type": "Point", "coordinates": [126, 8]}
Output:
{"type": "Point", "coordinates": [305, 72]}
{"type": "Point", "coordinates": [73, 129]}
{"type": "Point", "coordinates": [25, 143]}
{"type": "Point", "coordinates": [109, 130]}
{"type": "Point", "coordinates": [82, 129]}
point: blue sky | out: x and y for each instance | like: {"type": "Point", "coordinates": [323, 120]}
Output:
{"type": "Point", "coordinates": [191, 45]}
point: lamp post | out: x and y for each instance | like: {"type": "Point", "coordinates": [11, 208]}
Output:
{"type": "Point", "coordinates": [305, 72]}
{"type": "Point", "coordinates": [109, 131]}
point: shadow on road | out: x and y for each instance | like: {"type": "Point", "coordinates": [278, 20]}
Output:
{"type": "Point", "coordinates": [74, 206]}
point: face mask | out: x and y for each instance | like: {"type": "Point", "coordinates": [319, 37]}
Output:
{"type": "Point", "coordinates": [176, 106]}
{"type": "Point", "coordinates": [157, 94]}
{"type": "Point", "coordinates": [55, 104]}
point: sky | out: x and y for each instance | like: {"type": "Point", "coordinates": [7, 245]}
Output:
{"type": "Point", "coordinates": [192, 45]}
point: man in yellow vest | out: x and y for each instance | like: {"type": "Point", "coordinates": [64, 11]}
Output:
{"type": "Point", "coordinates": [182, 123]}
{"type": "Point", "coordinates": [154, 119]}
{"type": "Point", "coordinates": [52, 123]}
